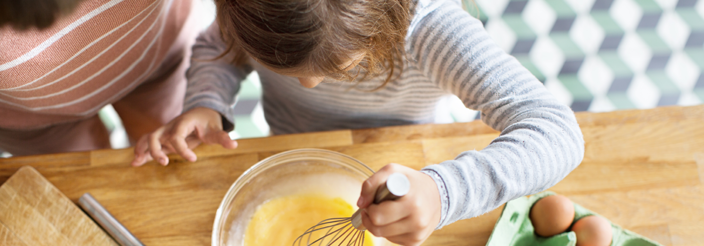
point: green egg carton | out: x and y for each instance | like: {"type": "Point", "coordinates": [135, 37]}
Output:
{"type": "Point", "coordinates": [514, 228]}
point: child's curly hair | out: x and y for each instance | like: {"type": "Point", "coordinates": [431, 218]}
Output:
{"type": "Point", "coordinates": [319, 35]}
{"type": "Point", "coordinates": [25, 14]}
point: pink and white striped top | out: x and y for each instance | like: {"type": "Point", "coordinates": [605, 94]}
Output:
{"type": "Point", "coordinates": [91, 58]}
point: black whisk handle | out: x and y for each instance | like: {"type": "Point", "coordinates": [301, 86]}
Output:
{"type": "Point", "coordinates": [396, 186]}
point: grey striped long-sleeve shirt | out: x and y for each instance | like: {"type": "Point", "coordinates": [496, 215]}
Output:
{"type": "Point", "coordinates": [447, 52]}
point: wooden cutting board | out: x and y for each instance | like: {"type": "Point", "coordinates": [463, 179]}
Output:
{"type": "Point", "coordinates": [34, 212]}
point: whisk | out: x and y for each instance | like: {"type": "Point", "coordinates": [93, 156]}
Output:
{"type": "Point", "coordinates": [350, 231]}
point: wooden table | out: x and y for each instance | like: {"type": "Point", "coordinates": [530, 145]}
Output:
{"type": "Point", "coordinates": [643, 169]}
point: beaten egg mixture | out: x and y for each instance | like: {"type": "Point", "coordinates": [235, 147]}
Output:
{"type": "Point", "coordinates": [280, 221]}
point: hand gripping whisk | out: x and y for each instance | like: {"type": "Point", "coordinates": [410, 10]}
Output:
{"type": "Point", "coordinates": [350, 231]}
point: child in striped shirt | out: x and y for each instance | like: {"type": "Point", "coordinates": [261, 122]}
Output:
{"type": "Point", "coordinates": [337, 64]}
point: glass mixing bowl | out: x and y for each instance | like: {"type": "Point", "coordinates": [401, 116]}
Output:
{"type": "Point", "coordinates": [287, 173]}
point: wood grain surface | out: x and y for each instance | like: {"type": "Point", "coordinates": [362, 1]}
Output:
{"type": "Point", "coordinates": [34, 212]}
{"type": "Point", "coordinates": [643, 170]}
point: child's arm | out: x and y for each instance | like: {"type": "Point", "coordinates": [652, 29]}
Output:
{"type": "Point", "coordinates": [212, 83]}
{"type": "Point", "coordinates": [208, 106]}
{"type": "Point", "coordinates": [540, 141]}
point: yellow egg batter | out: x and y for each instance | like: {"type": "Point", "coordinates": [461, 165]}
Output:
{"type": "Point", "coordinates": [280, 221]}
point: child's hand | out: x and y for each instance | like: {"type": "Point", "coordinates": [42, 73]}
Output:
{"type": "Point", "coordinates": [181, 135]}
{"type": "Point", "coordinates": [408, 220]}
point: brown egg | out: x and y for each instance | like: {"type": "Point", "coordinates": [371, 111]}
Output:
{"type": "Point", "coordinates": [592, 231]}
{"type": "Point", "coordinates": [552, 215]}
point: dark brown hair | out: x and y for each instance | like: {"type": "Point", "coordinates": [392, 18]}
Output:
{"type": "Point", "coordinates": [318, 35]}
{"type": "Point", "coordinates": [25, 14]}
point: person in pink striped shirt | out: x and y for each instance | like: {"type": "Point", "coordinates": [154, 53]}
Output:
{"type": "Point", "coordinates": [61, 61]}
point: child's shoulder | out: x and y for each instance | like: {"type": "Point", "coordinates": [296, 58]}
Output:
{"type": "Point", "coordinates": [425, 8]}
{"type": "Point", "coordinates": [419, 4]}
{"type": "Point", "coordinates": [421, 8]}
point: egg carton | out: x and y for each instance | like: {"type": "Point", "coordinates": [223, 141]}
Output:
{"type": "Point", "coordinates": [514, 227]}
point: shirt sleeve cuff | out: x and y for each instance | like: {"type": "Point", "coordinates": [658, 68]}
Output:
{"type": "Point", "coordinates": [444, 194]}
{"type": "Point", "coordinates": [226, 112]}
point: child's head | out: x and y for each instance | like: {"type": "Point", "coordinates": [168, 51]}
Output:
{"type": "Point", "coordinates": [316, 37]}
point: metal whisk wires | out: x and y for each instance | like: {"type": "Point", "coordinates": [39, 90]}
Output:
{"type": "Point", "coordinates": [350, 231]}
{"type": "Point", "coordinates": [333, 231]}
